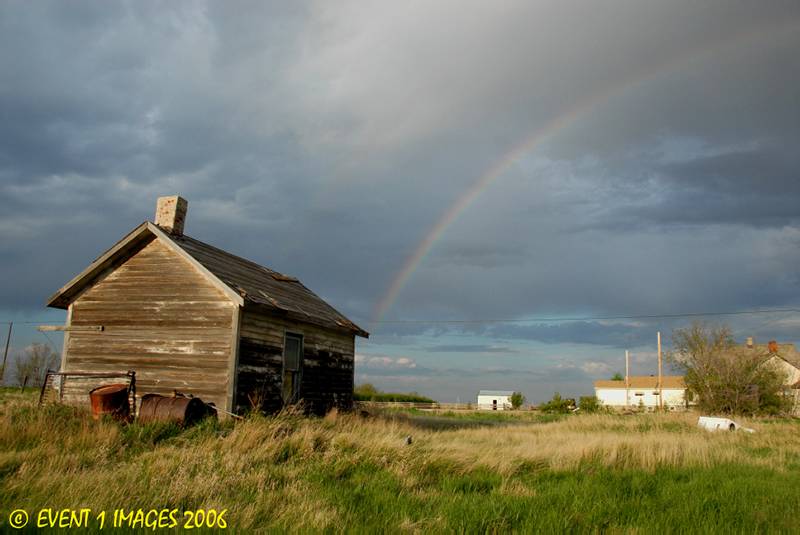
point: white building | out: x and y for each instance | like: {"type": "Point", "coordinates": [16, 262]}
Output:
{"type": "Point", "coordinates": [642, 391]}
{"type": "Point", "coordinates": [495, 400]}
{"type": "Point", "coordinates": [786, 359]}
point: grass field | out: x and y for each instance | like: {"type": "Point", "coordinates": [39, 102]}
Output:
{"type": "Point", "coordinates": [646, 473]}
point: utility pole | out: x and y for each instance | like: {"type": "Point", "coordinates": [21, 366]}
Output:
{"type": "Point", "coordinates": [627, 379]}
{"type": "Point", "coordinates": [660, 388]}
{"type": "Point", "coordinates": [5, 353]}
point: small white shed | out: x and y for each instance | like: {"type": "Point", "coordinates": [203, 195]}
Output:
{"type": "Point", "coordinates": [495, 400]}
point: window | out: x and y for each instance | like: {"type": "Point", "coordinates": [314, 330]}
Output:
{"type": "Point", "coordinates": [292, 368]}
{"type": "Point", "coordinates": [292, 352]}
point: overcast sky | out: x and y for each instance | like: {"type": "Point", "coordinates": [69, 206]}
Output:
{"type": "Point", "coordinates": [633, 157]}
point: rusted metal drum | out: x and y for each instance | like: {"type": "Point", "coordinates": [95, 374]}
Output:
{"type": "Point", "coordinates": [181, 410]}
{"type": "Point", "coordinates": [111, 400]}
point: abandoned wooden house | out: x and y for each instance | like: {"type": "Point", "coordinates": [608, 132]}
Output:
{"type": "Point", "coordinates": [188, 317]}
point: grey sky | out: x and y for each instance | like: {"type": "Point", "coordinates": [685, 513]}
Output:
{"type": "Point", "coordinates": [326, 139]}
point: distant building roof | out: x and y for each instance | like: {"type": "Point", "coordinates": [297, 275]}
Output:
{"type": "Point", "coordinates": [495, 392]}
{"type": "Point", "coordinates": [644, 381]}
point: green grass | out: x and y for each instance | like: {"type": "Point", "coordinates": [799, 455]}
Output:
{"type": "Point", "coordinates": [722, 499]}
{"type": "Point", "coordinates": [476, 472]}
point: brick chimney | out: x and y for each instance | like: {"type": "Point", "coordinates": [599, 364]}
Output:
{"type": "Point", "coordinates": [171, 214]}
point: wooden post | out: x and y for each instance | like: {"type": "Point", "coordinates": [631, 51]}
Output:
{"type": "Point", "coordinates": [627, 379]}
{"type": "Point", "coordinates": [5, 353]}
{"type": "Point", "coordinates": [660, 389]}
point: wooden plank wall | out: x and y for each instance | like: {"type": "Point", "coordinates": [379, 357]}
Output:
{"type": "Point", "coordinates": [163, 320]}
{"type": "Point", "coordinates": [327, 363]}
{"type": "Point", "coordinates": [74, 389]}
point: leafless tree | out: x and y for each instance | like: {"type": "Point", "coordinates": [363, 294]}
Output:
{"type": "Point", "coordinates": [725, 377]}
{"type": "Point", "coordinates": [31, 366]}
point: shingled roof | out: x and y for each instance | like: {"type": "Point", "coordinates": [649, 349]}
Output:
{"type": "Point", "coordinates": [264, 286]}
{"type": "Point", "coordinates": [242, 280]}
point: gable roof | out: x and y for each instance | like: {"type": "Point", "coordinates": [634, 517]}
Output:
{"type": "Point", "coordinates": [241, 280]}
{"type": "Point", "coordinates": [785, 351]}
{"type": "Point", "coordinates": [644, 381]}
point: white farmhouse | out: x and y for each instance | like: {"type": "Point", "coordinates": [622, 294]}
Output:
{"type": "Point", "coordinates": [643, 391]}
{"type": "Point", "coordinates": [786, 359]}
{"type": "Point", "coordinates": [495, 400]}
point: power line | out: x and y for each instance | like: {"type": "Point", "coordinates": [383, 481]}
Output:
{"type": "Point", "coordinates": [48, 338]}
{"type": "Point", "coordinates": [592, 318]}
{"type": "Point", "coordinates": [544, 319]}
{"type": "Point", "coordinates": [39, 322]}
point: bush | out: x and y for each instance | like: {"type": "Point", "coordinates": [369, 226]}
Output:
{"type": "Point", "coordinates": [394, 396]}
{"type": "Point", "coordinates": [558, 405]}
{"type": "Point", "coordinates": [368, 392]}
{"type": "Point", "coordinates": [590, 404]}
{"type": "Point", "coordinates": [366, 389]}
{"type": "Point", "coordinates": [517, 400]}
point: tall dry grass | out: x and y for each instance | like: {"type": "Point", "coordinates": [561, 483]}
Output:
{"type": "Point", "coordinates": [290, 472]}
{"type": "Point", "coordinates": [644, 441]}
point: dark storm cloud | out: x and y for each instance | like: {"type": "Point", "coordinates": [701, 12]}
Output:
{"type": "Point", "coordinates": [758, 186]}
{"type": "Point", "coordinates": [470, 348]}
{"type": "Point", "coordinates": [326, 141]}
{"type": "Point", "coordinates": [579, 332]}
{"type": "Point", "coordinates": [753, 186]}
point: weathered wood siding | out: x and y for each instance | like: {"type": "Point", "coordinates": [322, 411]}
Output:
{"type": "Point", "coordinates": [327, 376]}
{"type": "Point", "coordinates": [162, 319]}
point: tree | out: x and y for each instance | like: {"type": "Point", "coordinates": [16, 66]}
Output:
{"type": "Point", "coordinates": [517, 400]}
{"type": "Point", "coordinates": [723, 376]}
{"type": "Point", "coordinates": [31, 367]}
{"type": "Point", "coordinates": [617, 377]}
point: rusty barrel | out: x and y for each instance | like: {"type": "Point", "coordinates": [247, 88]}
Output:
{"type": "Point", "coordinates": [181, 410]}
{"type": "Point", "coordinates": [111, 400]}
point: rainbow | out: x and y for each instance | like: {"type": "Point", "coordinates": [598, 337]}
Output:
{"type": "Point", "coordinates": [555, 125]}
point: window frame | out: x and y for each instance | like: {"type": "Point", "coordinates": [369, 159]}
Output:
{"type": "Point", "coordinates": [295, 336]}
{"type": "Point", "coordinates": [297, 383]}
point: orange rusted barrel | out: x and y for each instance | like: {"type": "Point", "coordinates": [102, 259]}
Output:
{"type": "Point", "coordinates": [180, 410]}
{"type": "Point", "coordinates": [111, 400]}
